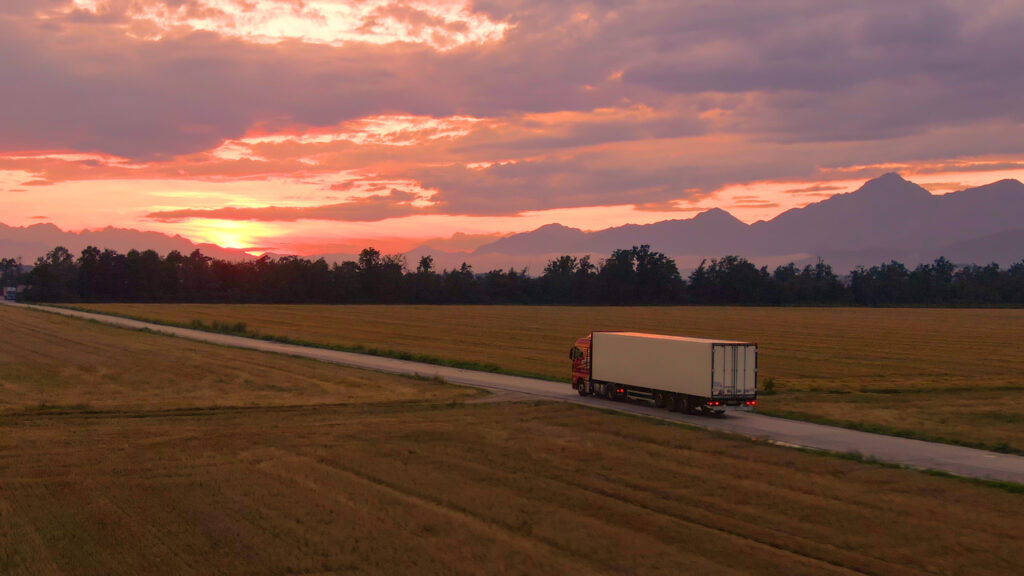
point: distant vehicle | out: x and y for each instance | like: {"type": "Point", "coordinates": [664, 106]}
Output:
{"type": "Point", "coordinates": [10, 293]}
{"type": "Point", "coordinates": [691, 375]}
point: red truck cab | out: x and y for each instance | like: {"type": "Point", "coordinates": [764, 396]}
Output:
{"type": "Point", "coordinates": [580, 356]}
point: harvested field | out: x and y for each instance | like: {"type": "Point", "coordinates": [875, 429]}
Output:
{"type": "Point", "coordinates": [429, 485]}
{"type": "Point", "coordinates": [50, 362]}
{"type": "Point", "coordinates": [936, 374]}
{"type": "Point", "coordinates": [495, 488]}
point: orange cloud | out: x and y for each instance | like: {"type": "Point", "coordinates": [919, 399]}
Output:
{"type": "Point", "coordinates": [442, 24]}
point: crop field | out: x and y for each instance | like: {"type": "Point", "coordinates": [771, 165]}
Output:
{"type": "Point", "coordinates": [106, 475]}
{"type": "Point", "coordinates": [935, 374]}
{"type": "Point", "coordinates": [52, 363]}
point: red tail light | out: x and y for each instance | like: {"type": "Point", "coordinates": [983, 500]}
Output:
{"type": "Point", "coordinates": [751, 402]}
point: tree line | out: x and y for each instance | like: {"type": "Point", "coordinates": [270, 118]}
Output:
{"type": "Point", "coordinates": [632, 276]}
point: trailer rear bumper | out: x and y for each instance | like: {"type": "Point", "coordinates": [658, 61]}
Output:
{"type": "Point", "coordinates": [741, 404]}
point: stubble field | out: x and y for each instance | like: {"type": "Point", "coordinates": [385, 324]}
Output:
{"type": "Point", "coordinates": [935, 374]}
{"type": "Point", "coordinates": [378, 474]}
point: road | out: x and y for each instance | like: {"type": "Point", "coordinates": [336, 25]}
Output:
{"type": "Point", "coordinates": [957, 460]}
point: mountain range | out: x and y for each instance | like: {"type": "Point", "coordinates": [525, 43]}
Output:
{"type": "Point", "coordinates": [31, 242]}
{"type": "Point", "coordinates": [888, 218]}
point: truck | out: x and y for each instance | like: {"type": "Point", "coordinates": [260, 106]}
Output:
{"type": "Point", "coordinates": [691, 375]}
{"type": "Point", "coordinates": [10, 293]}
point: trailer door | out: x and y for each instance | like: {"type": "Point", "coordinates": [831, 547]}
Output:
{"type": "Point", "coordinates": [723, 378]}
{"type": "Point", "coordinates": [734, 369]}
{"type": "Point", "coordinates": [749, 353]}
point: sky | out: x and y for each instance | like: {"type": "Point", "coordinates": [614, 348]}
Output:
{"type": "Point", "coordinates": [322, 126]}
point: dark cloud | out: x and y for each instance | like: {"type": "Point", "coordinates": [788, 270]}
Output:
{"type": "Point", "coordinates": [789, 89]}
{"type": "Point", "coordinates": [585, 180]}
{"type": "Point", "coordinates": [813, 190]}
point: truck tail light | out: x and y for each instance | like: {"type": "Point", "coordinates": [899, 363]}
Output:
{"type": "Point", "coordinates": [751, 402]}
{"type": "Point", "coordinates": [714, 403]}
{"type": "Point", "coordinates": [621, 391]}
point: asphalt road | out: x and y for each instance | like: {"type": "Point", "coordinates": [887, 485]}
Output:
{"type": "Point", "coordinates": [913, 453]}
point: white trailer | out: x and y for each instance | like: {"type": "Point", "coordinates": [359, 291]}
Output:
{"type": "Point", "coordinates": [685, 374]}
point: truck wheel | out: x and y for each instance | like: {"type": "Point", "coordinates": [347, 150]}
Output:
{"type": "Point", "coordinates": [687, 406]}
{"type": "Point", "coordinates": [659, 399]}
{"type": "Point", "coordinates": [672, 402]}
{"type": "Point", "coordinates": [581, 387]}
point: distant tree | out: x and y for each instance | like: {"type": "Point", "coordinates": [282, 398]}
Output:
{"type": "Point", "coordinates": [54, 278]}
{"type": "Point", "coordinates": [584, 286]}
{"type": "Point", "coordinates": [1014, 291]}
{"type": "Point", "coordinates": [816, 284]}
{"type": "Point", "coordinates": [932, 283]}
{"type": "Point", "coordinates": [10, 272]}
{"type": "Point", "coordinates": [461, 286]}
{"type": "Point", "coordinates": [730, 280]}
{"type": "Point", "coordinates": [424, 286]}
{"type": "Point", "coordinates": [426, 265]}
{"type": "Point", "coordinates": [559, 279]}
{"type": "Point", "coordinates": [617, 278]}
{"type": "Point", "coordinates": [657, 277]}
{"type": "Point", "coordinates": [347, 282]}
{"type": "Point", "coordinates": [507, 287]}
{"type": "Point", "coordinates": [975, 285]}
{"type": "Point", "coordinates": [90, 274]}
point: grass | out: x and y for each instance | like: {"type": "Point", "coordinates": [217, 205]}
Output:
{"type": "Point", "coordinates": [118, 456]}
{"type": "Point", "coordinates": [933, 374]}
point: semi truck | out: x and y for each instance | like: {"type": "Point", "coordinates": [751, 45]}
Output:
{"type": "Point", "coordinates": [10, 293]}
{"type": "Point", "coordinates": [693, 375]}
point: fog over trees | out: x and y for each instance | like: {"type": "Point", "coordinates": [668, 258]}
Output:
{"type": "Point", "coordinates": [635, 276]}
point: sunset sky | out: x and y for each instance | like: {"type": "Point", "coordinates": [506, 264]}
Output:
{"type": "Point", "coordinates": [323, 126]}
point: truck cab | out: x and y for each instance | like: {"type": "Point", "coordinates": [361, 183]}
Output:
{"type": "Point", "coordinates": [580, 356]}
{"type": "Point", "coordinates": [10, 293]}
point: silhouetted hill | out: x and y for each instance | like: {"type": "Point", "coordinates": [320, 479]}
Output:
{"type": "Point", "coordinates": [887, 218]}
{"type": "Point", "coordinates": [31, 242]}
{"type": "Point", "coordinates": [887, 212]}
{"type": "Point", "coordinates": [1003, 248]}
{"type": "Point", "coordinates": [540, 240]}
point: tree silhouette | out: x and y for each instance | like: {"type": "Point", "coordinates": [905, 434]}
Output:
{"type": "Point", "coordinates": [638, 275]}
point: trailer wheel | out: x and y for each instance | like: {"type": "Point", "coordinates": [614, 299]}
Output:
{"type": "Point", "coordinates": [659, 399]}
{"type": "Point", "coordinates": [672, 402]}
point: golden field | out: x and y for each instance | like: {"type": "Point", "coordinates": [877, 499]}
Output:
{"type": "Point", "coordinates": [49, 362]}
{"type": "Point", "coordinates": [938, 374]}
{"type": "Point", "coordinates": [408, 478]}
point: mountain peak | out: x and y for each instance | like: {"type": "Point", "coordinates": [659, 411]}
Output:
{"type": "Point", "coordinates": [556, 227]}
{"type": "Point", "coordinates": [716, 215]}
{"type": "Point", "coordinates": [891, 186]}
{"type": "Point", "coordinates": [548, 238]}
{"type": "Point", "coordinates": [891, 177]}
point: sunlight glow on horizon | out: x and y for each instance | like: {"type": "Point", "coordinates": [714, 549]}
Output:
{"type": "Point", "coordinates": [72, 206]}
